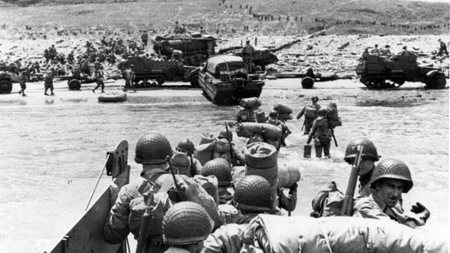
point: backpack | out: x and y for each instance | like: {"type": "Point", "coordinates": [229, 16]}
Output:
{"type": "Point", "coordinates": [327, 202]}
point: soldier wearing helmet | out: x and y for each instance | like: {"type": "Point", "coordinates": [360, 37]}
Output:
{"type": "Point", "coordinates": [310, 113]}
{"type": "Point", "coordinates": [368, 159]}
{"type": "Point", "coordinates": [252, 196]}
{"type": "Point", "coordinates": [224, 148]}
{"type": "Point", "coordinates": [285, 131]}
{"type": "Point", "coordinates": [390, 179]}
{"type": "Point", "coordinates": [185, 227]}
{"type": "Point", "coordinates": [221, 169]}
{"type": "Point", "coordinates": [152, 151]}
{"type": "Point", "coordinates": [321, 133]}
{"type": "Point", "coordinates": [129, 78]}
{"type": "Point", "coordinates": [187, 147]}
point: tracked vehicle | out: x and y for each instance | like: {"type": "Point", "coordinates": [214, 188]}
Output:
{"type": "Point", "coordinates": [379, 73]}
{"type": "Point", "coordinates": [225, 80]}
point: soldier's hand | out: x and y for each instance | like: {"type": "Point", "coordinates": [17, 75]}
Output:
{"type": "Point", "coordinates": [421, 210]}
{"type": "Point", "coordinates": [293, 188]}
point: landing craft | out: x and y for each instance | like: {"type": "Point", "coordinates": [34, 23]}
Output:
{"type": "Point", "coordinates": [87, 234]}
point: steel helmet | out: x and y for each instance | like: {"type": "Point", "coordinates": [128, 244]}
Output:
{"type": "Point", "coordinates": [394, 169]}
{"type": "Point", "coordinates": [223, 134]}
{"type": "Point", "coordinates": [186, 223]}
{"type": "Point", "coordinates": [220, 168]}
{"type": "Point", "coordinates": [315, 98]}
{"type": "Point", "coordinates": [273, 114]}
{"type": "Point", "coordinates": [253, 193]}
{"type": "Point", "coordinates": [152, 149]}
{"type": "Point", "coordinates": [186, 146]}
{"type": "Point", "coordinates": [369, 150]}
{"type": "Point", "coordinates": [322, 112]}
{"type": "Point", "coordinates": [181, 163]}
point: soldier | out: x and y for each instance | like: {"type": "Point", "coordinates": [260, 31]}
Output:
{"type": "Point", "coordinates": [129, 78]}
{"type": "Point", "coordinates": [181, 164]}
{"type": "Point", "coordinates": [405, 52]}
{"type": "Point", "coordinates": [225, 148]}
{"type": "Point", "coordinates": [71, 57]}
{"type": "Point", "coordinates": [285, 131]}
{"type": "Point", "coordinates": [386, 51]}
{"type": "Point", "coordinates": [390, 179]}
{"type": "Point", "coordinates": [245, 115]}
{"type": "Point", "coordinates": [104, 42]}
{"type": "Point", "coordinates": [151, 151]}
{"type": "Point", "coordinates": [375, 51]}
{"type": "Point", "coordinates": [176, 30]}
{"type": "Point", "coordinates": [48, 82]}
{"type": "Point", "coordinates": [247, 55]}
{"type": "Point", "coordinates": [202, 30]}
{"type": "Point", "coordinates": [185, 227]}
{"type": "Point", "coordinates": [221, 169]}
{"type": "Point", "coordinates": [368, 159]}
{"type": "Point", "coordinates": [97, 65]}
{"type": "Point", "coordinates": [442, 48]}
{"type": "Point", "coordinates": [310, 113]}
{"type": "Point", "coordinates": [144, 38]}
{"type": "Point", "coordinates": [321, 133]}
{"type": "Point", "coordinates": [46, 55]}
{"type": "Point", "coordinates": [99, 76]}
{"type": "Point", "coordinates": [22, 82]}
{"type": "Point", "coordinates": [253, 196]}
{"type": "Point", "coordinates": [52, 53]}
{"type": "Point", "coordinates": [187, 147]}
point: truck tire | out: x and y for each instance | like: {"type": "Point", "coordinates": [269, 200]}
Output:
{"type": "Point", "coordinates": [194, 81]}
{"type": "Point", "coordinates": [5, 86]}
{"type": "Point", "coordinates": [160, 80]}
{"type": "Point", "coordinates": [438, 82]}
{"type": "Point", "coordinates": [307, 82]}
{"type": "Point", "coordinates": [74, 84]}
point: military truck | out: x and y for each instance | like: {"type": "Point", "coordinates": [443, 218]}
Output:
{"type": "Point", "coordinates": [196, 48]}
{"type": "Point", "coordinates": [5, 83]}
{"type": "Point", "coordinates": [160, 71]}
{"type": "Point", "coordinates": [379, 73]}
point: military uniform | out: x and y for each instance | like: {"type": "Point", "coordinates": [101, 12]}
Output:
{"type": "Point", "coordinates": [99, 76]}
{"type": "Point", "coordinates": [130, 76]}
{"type": "Point", "coordinates": [22, 82]}
{"type": "Point", "coordinates": [322, 135]}
{"type": "Point", "coordinates": [310, 113]}
{"type": "Point", "coordinates": [48, 82]}
{"type": "Point", "coordinates": [247, 55]}
{"type": "Point", "coordinates": [252, 197]}
{"type": "Point", "coordinates": [380, 203]}
{"type": "Point", "coordinates": [245, 115]}
{"type": "Point", "coordinates": [221, 169]}
{"type": "Point", "coordinates": [144, 38]}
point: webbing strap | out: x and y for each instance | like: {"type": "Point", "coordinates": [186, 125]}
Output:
{"type": "Point", "coordinates": [326, 236]}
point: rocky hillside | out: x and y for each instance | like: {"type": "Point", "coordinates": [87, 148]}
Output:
{"type": "Point", "coordinates": [225, 17]}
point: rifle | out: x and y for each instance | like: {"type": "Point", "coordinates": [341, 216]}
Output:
{"type": "Point", "coordinates": [193, 170]}
{"type": "Point", "coordinates": [334, 138]}
{"type": "Point", "coordinates": [173, 174]}
{"type": "Point", "coordinates": [145, 225]}
{"type": "Point", "coordinates": [347, 207]}
{"type": "Point", "coordinates": [233, 159]}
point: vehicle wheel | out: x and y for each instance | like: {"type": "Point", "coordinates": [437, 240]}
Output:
{"type": "Point", "coordinates": [160, 80]}
{"type": "Point", "coordinates": [5, 86]}
{"type": "Point", "coordinates": [194, 81]}
{"type": "Point", "coordinates": [307, 82]}
{"type": "Point", "coordinates": [438, 82]}
{"type": "Point", "coordinates": [74, 84]}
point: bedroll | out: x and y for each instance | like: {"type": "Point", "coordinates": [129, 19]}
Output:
{"type": "Point", "coordinates": [338, 235]}
{"type": "Point", "coordinates": [267, 131]}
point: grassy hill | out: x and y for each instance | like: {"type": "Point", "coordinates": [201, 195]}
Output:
{"type": "Point", "coordinates": [271, 17]}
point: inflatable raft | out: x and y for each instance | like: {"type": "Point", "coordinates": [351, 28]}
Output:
{"type": "Point", "coordinates": [113, 97]}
